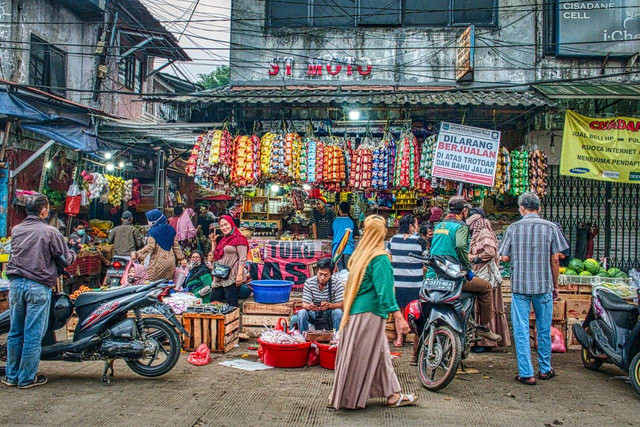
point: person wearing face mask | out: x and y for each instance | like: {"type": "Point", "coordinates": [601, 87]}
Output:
{"type": "Point", "coordinates": [407, 271]}
{"type": "Point", "coordinates": [199, 280]}
{"type": "Point", "coordinates": [38, 251]}
{"type": "Point", "coordinates": [79, 236]}
{"type": "Point", "coordinates": [163, 247]}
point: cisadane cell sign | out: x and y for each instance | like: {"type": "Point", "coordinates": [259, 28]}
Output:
{"type": "Point", "coordinates": [467, 154]}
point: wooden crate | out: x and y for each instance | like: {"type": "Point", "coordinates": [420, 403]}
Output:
{"type": "Point", "coordinates": [251, 307]}
{"type": "Point", "coordinates": [256, 316]}
{"type": "Point", "coordinates": [4, 300]}
{"type": "Point", "coordinates": [218, 331]}
{"type": "Point", "coordinates": [71, 326]}
{"type": "Point", "coordinates": [572, 342]}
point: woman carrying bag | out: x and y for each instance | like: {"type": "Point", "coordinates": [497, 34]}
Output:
{"type": "Point", "coordinates": [163, 247]}
{"type": "Point", "coordinates": [199, 279]}
{"type": "Point", "coordinates": [230, 257]}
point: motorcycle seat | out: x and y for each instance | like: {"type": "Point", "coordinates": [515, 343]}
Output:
{"type": "Point", "coordinates": [613, 302]}
{"type": "Point", "coordinates": [89, 298]}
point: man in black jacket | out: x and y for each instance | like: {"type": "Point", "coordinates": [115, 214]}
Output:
{"type": "Point", "coordinates": [37, 251]}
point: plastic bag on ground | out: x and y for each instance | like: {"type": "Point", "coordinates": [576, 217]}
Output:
{"type": "Point", "coordinates": [557, 341]}
{"type": "Point", "coordinates": [200, 357]}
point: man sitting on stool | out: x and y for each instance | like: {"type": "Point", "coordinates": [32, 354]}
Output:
{"type": "Point", "coordinates": [322, 299]}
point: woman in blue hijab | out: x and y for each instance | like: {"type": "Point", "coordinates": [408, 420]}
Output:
{"type": "Point", "coordinates": [162, 246]}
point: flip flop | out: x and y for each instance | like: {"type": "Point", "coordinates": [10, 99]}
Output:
{"type": "Point", "coordinates": [526, 381]}
{"type": "Point", "coordinates": [403, 400]}
{"type": "Point", "coordinates": [397, 343]}
{"type": "Point", "coordinates": [547, 376]}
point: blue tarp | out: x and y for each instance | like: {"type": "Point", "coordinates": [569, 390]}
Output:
{"type": "Point", "coordinates": [67, 125]}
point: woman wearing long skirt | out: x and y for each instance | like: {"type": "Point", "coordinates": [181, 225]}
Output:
{"type": "Point", "coordinates": [363, 365]}
{"type": "Point", "coordinates": [483, 253]}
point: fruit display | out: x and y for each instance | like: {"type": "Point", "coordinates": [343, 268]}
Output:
{"type": "Point", "coordinates": [55, 197]}
{"type": "Point", "coordinates": [82, 289]}
{"type": "Point", "coordinates": [591, 267]}
{"type": "Point", "coordinates": [116, 190]}
{"type": "Point", "coordinates": [576, 265]}
{"type": "Point", "coordinates": [95, 184]}
{"type": "Point", "coordinates": [623, 291]}
{"type": "Point", "coordinates": [135, 193]}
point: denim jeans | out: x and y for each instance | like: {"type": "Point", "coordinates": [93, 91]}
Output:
{"type": "Point", "coordinates": [520, 310]}
{"type": "Point", "coordinates": [29, 303]}
{"type": "Point", "coordinates": [343, 262]}
{"type": "Point", "coordinates": [307, 316]}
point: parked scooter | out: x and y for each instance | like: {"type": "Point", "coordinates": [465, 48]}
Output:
{"type": "Point", "coordinates": [149, 346]}
{"type": "Point", "coordinates": [116, 270]}
{"type": "Point", "coordinates": [444, 320]}
{"type": "Point", "coordinates": [611, 333]}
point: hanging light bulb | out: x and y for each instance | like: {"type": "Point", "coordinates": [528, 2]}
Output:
{"type": "Point", "coordinates": [108, 155]}
{"type": "Point", "coordinates": [275, 188]}
{"type": "Point", "coordinates": [306, 187]}
{"type": "Point", "coordinates": [121, 164]}
{"type": "Point", "coordinates": [48, 164]}
{"type": "Point", "coordinates": [110, 167]}
{"type": "Point", "coordinates": [354, 115]}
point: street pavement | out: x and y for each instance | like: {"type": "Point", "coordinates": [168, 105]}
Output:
{"type": "Point", "coordinates": [216, 395]}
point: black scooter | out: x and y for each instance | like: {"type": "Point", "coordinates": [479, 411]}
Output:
{"type": "Point", "coordinates": [611, 333]}
{"type": "Point", "coordinates": [149, 346]}
{"type": "Point", "coordinates": [444, 319]}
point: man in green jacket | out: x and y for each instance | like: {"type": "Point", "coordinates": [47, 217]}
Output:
{"type": "Point", "coordinates": [451, 237]}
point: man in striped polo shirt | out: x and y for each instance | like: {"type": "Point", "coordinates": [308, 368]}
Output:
{"type": "Point", "coordinates": [322, 299]}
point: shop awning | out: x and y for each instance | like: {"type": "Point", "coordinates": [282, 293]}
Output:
{"type": "Point", "coordinates": [149, 134]}
{"type": "Point", "coordinates": [380, 95]}
{"type": "Point", "coordinates": [589, 91]}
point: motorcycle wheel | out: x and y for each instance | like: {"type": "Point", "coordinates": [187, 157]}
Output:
{"type": "Point", "coordinates": [590, 362]}
{"type": "Point", "coordinates": [436, 370]}
{"type": "Point", "coordinates": [634, 373]}
{"type": "Point", "coordinates": [3, 353]}
{"type": "Point", "coordinates": [169, 344]}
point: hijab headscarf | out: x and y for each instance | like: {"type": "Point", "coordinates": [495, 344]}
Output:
{"type": "Point", "coordinates": [184, 227]}
{"type": "Point", "coordinates": [482, 235]}
{"type": "Point", "coordinates": [198, 271]}
{"type": "Point", "coordinates": [162, 233]}
{"type": "Point", "coordinates": [371, 245]}
{"type": "Point", "coordinates": [235, 238]}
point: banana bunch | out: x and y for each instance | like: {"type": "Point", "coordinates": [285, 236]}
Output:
{"type": "Point", "coordinates": [116, 190]}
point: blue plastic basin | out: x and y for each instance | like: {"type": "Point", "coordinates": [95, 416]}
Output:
{"type": "Point", "coordinates": [271, 291]}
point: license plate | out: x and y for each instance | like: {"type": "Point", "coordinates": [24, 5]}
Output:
{"type": "Point", "coordinates": [114, 272]}
{"type": "Point", "coordinates": [438, 284]}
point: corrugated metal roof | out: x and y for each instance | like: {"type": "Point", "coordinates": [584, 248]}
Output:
{"type": "Point", "coordinates": [590, 91]}
{"type": "Point", "coordinates": [387, 96]}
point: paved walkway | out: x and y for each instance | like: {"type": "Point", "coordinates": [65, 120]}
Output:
{"type": "Point", "coordinates": [216, 395]}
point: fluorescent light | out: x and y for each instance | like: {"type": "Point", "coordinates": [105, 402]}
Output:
{"type": "Point", "coordinates": [48, 164]}
{"type": "Point", "coordinates": [110, 167]}
{"type": "Point", "coordinates": [275, 188]}
{"type": "Point", "coordinates": [306, 187]}
{"type": "Point", "coordinates": [107, 155]}
{"type": "Point", "coordinates": [121, 164]}
{"type": "Point", "coordinates": [354, 115]}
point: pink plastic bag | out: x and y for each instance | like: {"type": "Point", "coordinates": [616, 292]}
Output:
{"type": "Point", "coordinates": [557, 341]}
{"type": "Point", "coordinates": [200, 357]}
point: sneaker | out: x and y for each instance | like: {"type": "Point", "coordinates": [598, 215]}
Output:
{"type": "Point", "coordinates": [413, 361]}
{"type": "Point", "coordinates": [40, 380]}
{"type": "Point", "coordinates": [8, 383]}
{"type": "Point", "coordinates": [488, 334]}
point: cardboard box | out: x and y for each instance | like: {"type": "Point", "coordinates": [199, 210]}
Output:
{"type": "Point", "coordinates": [572, 342]}
{"type": "Point", "coordinates": [559, 311]}
{"type": "Point", "coordinates": [578, 306]}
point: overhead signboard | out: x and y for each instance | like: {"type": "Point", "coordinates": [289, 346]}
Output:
{"type": "Point", "coordinates": [597, 28]}
{"type": "Point", "coordinates": [606, 149]}
{"type": "Point", "coordinates": [465, 54]}
{"type": "Point", "coordinates": [467, 154]}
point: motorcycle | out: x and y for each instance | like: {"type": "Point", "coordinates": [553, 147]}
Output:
{"type": "Point", "coordinates": [116, 270]}
{"type": "Point", "coordinates": [444, 320]}
{"type": "Point", "coordinates": [611, 333]}
{"type": "Point", "coordinates": [149, 346]}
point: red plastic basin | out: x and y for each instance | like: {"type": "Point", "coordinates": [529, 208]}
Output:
{"type": "Point", "coordinates": [327, 356]}
{"type": "Point", "coordinates": [285, 355]}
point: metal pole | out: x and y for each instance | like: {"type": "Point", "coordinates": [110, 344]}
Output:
{"type": "Point", "coordinates": [31, 158]}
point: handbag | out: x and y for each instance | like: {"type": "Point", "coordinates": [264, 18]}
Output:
{"type": "Point", "coordinates": [220, 271]}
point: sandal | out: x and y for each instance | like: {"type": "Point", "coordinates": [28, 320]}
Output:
{"type": "Point", "coordinates": [547, 376]}
{"type": "Point", "coordinates": [403, 400]}
{"type": "Point", "coordinates": [527, 381]}
{"type": "Point", "coordinates": [413, 361]}
{"type": "Point", "coordinates": [398, 342]}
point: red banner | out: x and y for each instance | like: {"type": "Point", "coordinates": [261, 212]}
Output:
{"type": "Point", "coordinates": [285, 260]}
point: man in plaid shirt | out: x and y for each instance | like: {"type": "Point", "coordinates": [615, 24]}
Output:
{"type": "Point", "coordinates": [533, 247]}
